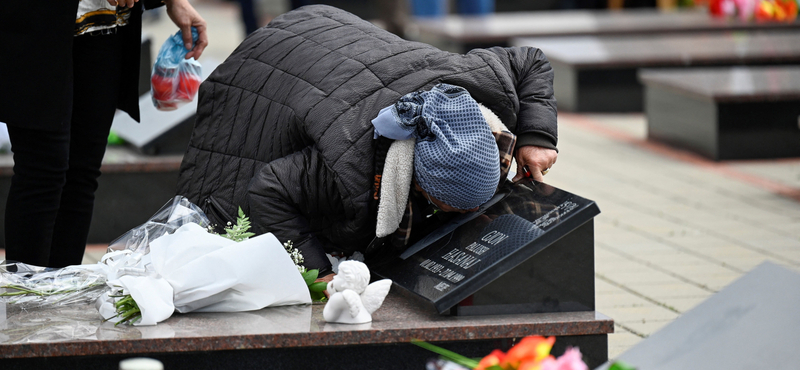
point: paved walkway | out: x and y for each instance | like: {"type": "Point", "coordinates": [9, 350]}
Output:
{"type": "Point", "coordinates": [674, 228]}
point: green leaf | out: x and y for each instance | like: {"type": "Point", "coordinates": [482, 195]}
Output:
{"type": "Point", "coordinates": [318, 287]}
{"type": "Point", "coordinates": [310, 275]}
{"type": "Point", "coordinates": [450, 355]}
{"type": "Point", "coordinates": [619, 365]}
{"type": "Point", "coordinates": [318, 296]}
{"type": "Point", "coordinates": [239, 231]}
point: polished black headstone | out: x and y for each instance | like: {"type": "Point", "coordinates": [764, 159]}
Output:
{"type": "Point", "coordinates": [750, 324]}
{"type": "Point", "coordinates": [598, 73]}
{"type": "Point", "coordinates": [532, 251]}
{"type": "Point", "coordinates": [461, 33]}
{"type": "Point", "coordinates": [725, 113]}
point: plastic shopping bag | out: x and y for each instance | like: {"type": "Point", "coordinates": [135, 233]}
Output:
{"type": "Point", "coordinates": [175, 80]}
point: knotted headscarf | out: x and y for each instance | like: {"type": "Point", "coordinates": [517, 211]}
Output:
{"type": "Point", "coordinates": [455, 155]}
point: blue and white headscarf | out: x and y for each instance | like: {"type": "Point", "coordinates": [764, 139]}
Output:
{"type": "Point", "coordinates": [455, 155]}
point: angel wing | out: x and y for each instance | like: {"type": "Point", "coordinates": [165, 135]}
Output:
{"type": "Point", "coordinates": [373, 296]}
{"type": "Point", "coordinates": [352, 299]}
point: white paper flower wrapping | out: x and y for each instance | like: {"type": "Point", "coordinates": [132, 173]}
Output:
{"type": "Point", "coordinates": [209, 273]}
{"type": "Point", "coordinates": [154, 296]}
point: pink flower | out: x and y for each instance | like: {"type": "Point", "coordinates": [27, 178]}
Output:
{"type": "Point", "coordinates": [728, 7]}
{"type": "Point", "coordinates": [570, 360]}
{"type": "Point", "coordinates": [745, 9]}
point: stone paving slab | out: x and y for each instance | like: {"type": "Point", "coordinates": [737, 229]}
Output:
{"type": "Point", "coordinates": [623, 339]}
{"type": "Point", "coordinates": [675, 228]}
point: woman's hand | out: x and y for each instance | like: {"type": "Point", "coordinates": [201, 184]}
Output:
{"type": "Point", "coordinates": [538, 159]}
{"type": "Point", "coordinates": [185, 17]}
{"type": "Point", "coordinates": [326, 279]}
{"type": "Point", "coordinates": [123, 3]}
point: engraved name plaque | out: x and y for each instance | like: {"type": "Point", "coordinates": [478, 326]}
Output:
{"type": "Point", "coordinates": [530, 251]}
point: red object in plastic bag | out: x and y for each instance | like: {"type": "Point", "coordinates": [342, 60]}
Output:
{"type": "Point", "coordinates": [175, 80]}
{"type": "Point", "coordinates": [188, 84]}
{"type": "Point", "coordinates": [162, 85]}
{"type": "Point", "coordinates": [173, 87]}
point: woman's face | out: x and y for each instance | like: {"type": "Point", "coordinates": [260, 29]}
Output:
{"type": "Point", "coordinates": [441, 205]}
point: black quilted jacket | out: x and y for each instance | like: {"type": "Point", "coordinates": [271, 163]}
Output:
{"type": "Point", "coordinates": [283, 125]}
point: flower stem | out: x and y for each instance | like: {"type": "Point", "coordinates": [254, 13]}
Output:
{"type": "Point", "coordinates": [42, 293]}
{"type": "Point", "coordinates": [127, 310]}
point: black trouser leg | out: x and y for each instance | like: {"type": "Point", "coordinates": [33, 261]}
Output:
{"type": "Point", "coordinates": [51, 199]}
{"type": "Point", "coordinates": [40, 166]}
{"type": "Point", "coordinates": [97, 60]}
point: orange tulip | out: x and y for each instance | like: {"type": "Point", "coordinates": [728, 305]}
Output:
{"type": "Point", "coordinates": [529, 349]}
{"type": "Point", "coordinates": [765, 11]}
{"type": "Point", "coordinates": [492, 359]}
{"type": "Point", "coordinates": [534, 365]}
{"type": "Point", "coordinates": [780, 14]}
{"type": "Point", "coordinates": [789, 7]}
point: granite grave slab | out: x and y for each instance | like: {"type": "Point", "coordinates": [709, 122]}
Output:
{"type": "Point", "coordinates": [290, 337]}
{"type": "Point", "coordinates": [725, 113]}
{"type": "Point", "coordinates": [460, 33]}
{"type": "Point", "coordinates": [599, 73]}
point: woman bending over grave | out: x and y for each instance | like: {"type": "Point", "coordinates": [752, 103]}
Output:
{"type": "Point", "coordinates": [342, 137]}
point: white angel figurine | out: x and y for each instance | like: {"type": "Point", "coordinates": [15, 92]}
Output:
{"type": "Point", "coordinates": [353, 299]}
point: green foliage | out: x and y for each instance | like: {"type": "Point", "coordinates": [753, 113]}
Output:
{"type": "Point", "coordinates": [619, 365]}
{"type": "Point", "coordinates": [310, 275]}
{"type": "Point", "coordinates": [127, 310]}
{"type": "Point", "coordinates": [239, 231]}
{"type": "Point", "coordinates": [449, 355]}
{"type": "Point", "coordinates": [316, 289]}
{"type": "Point", "coordinates": [114, 139]}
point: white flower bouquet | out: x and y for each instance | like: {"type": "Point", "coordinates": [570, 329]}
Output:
{"type": "Point", "coordinates": [171, 263]}
{"type": "Point", "coordinates": [192, 270]}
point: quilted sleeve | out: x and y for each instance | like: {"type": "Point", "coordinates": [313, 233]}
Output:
{"type": "Point", "coordinates": [532, 77]}
{"type": "Point", "coordinates": [295, 197]}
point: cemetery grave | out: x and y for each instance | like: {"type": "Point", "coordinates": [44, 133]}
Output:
{"type": "Point", "coordinates": [460, 33]}
{"type": "Point", "coordinates": [599, 73]}
{"type": "Point", "coordinates": [535, 239]}
{"type": "Point", "coordinates": [725, 113]}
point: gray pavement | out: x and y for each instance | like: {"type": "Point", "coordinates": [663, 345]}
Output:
{"type": "Point", "coordinates": [674, 229]}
